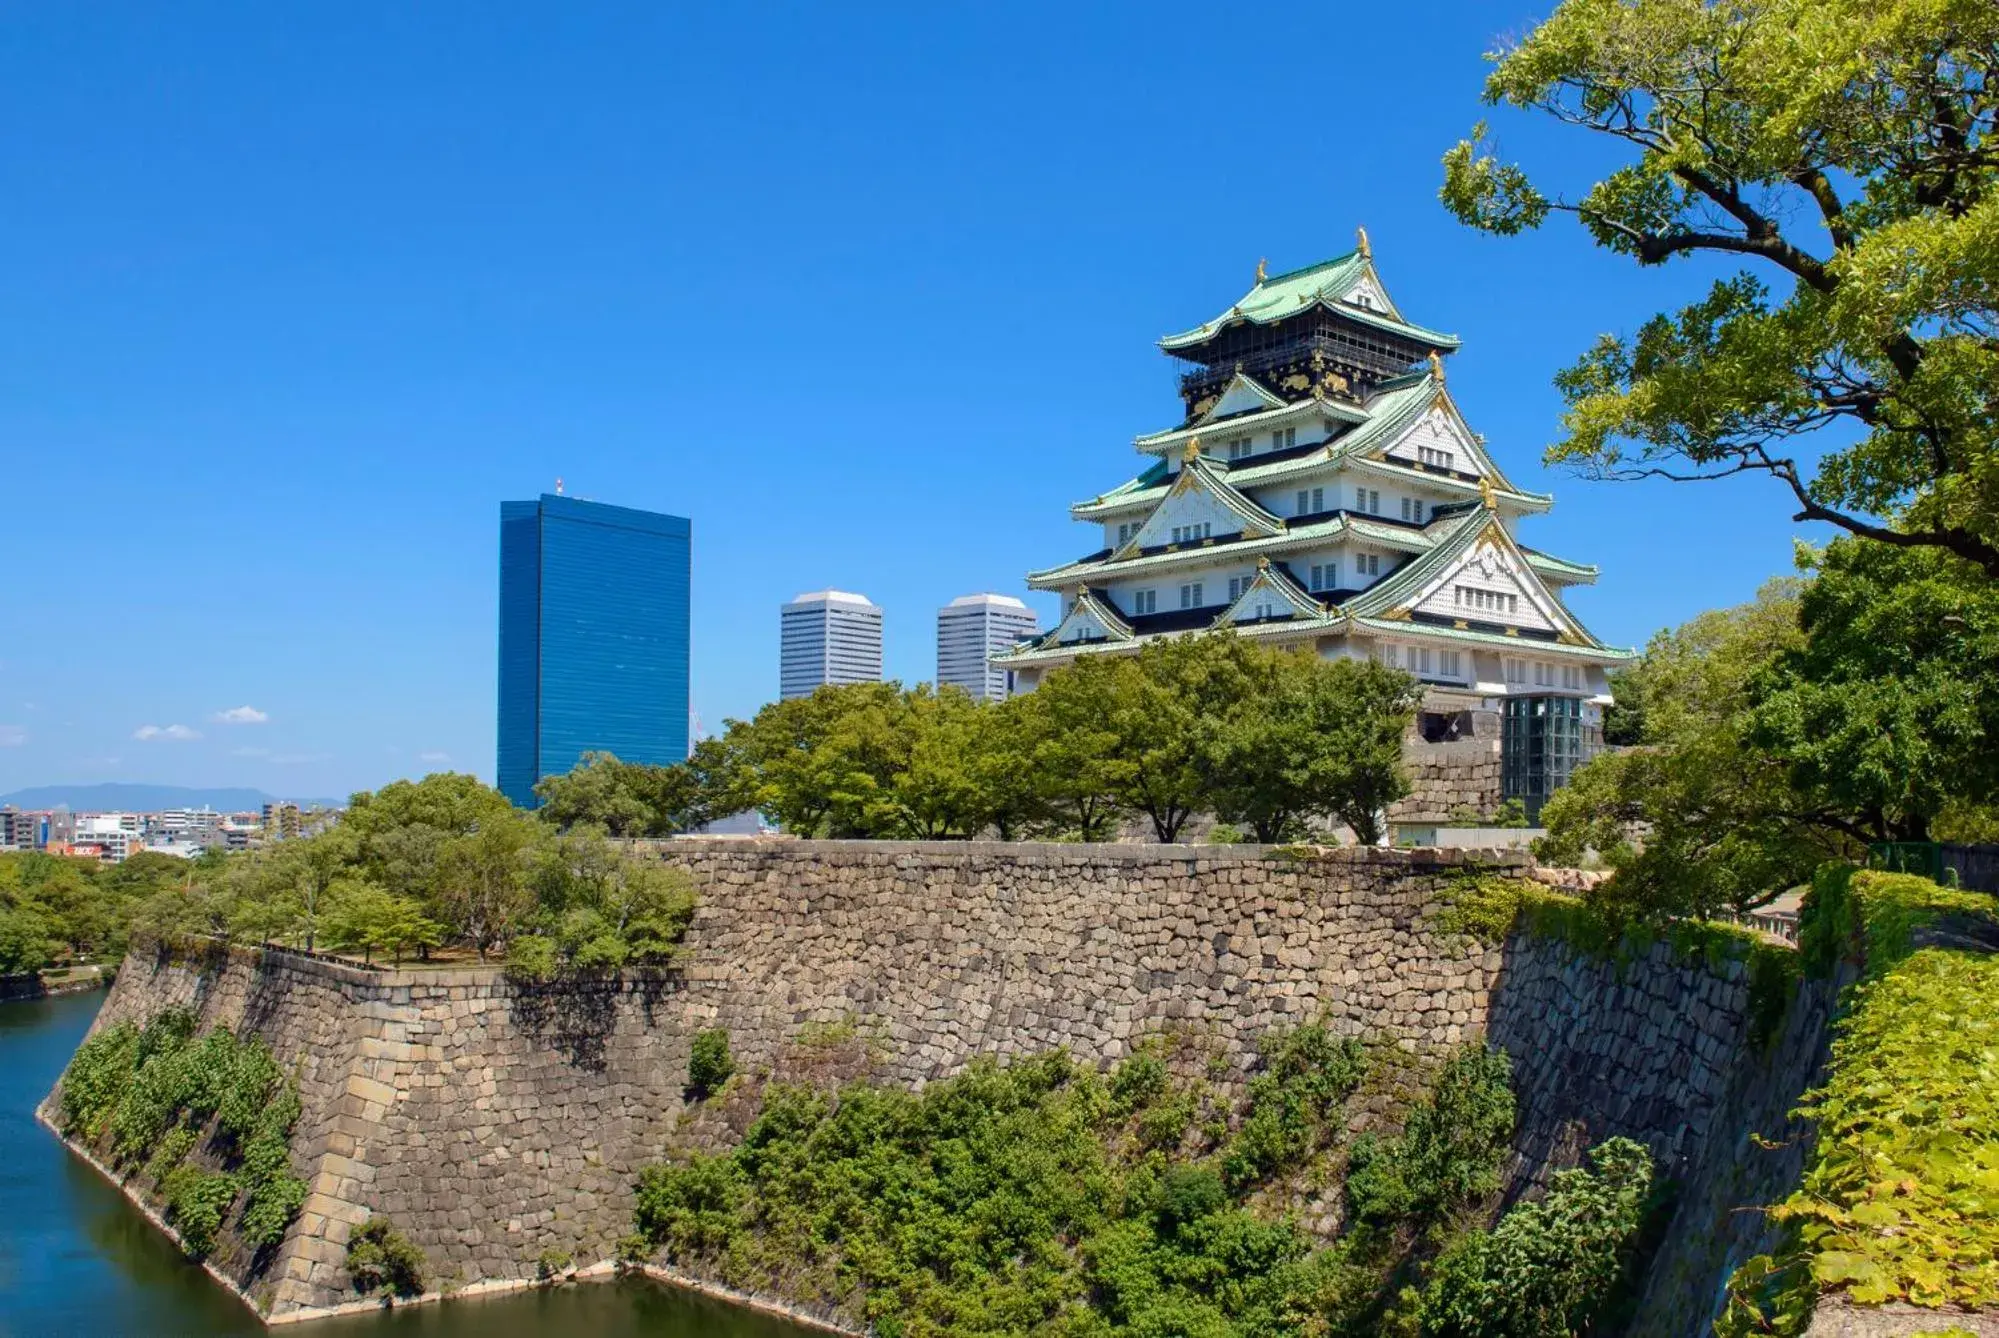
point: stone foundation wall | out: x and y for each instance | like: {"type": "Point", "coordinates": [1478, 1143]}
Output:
{"type": "Point", "coordinates": [493, 1122]}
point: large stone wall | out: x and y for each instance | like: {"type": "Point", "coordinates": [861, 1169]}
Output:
{"type": "Point", "coordinates": [494, 1123]}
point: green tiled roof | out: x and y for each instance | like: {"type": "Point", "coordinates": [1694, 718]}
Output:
{"type": "Point", "coordinates": [1519, 645]}
{"type": "Point", "coordinates": [1393, 536]}
{"type": "Point", "coordinates": [1395, 405]}
{"type": "Point", "coordinates": [1401, 587]}
{"type": "Point", "coordinates": [1280, 295]}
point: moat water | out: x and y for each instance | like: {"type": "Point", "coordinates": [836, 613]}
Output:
{"type": "Point", "coordinates": [77, 1259]}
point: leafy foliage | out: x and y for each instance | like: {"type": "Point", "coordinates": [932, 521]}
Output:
{"type": "Point", "coordinates": [1547, 1266]}
{"type": "Point", "coordinates": [709, 1063]}
{"type": "Point", "coordinates": [1856, 706]}
{"type": "Point", "coordinates": [1028, 1198]}
{"type": "Point", "coordinates": [1898, 1200]}
{"type": "Point", "coordinates": [1267, 739]}
{"type": "Point", "coordinates": [379, 1257]}
{"type": "Point", "coordinates": [163, 1094]}
{"type": "Point", "coordinates": [1840, 148]}
{"type": "Point", "coordinates": [56, 907]}
{"type": "Point", "coordinates": [1448, 1153]}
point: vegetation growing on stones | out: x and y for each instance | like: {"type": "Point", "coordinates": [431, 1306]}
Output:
{"type": "Point", "coordinates": [1033, 1198]}
{"type": "Point", "coordinates": [709, 1063]}
{"type": "Point", "coordinates": [1549, 1266]}
{"type": "Point", "coordinates": [1897, 1201]}
{"type": "Point", "coordinates": [381, 1258]}
{"type": "Point", "coordinates": [155, 1097]}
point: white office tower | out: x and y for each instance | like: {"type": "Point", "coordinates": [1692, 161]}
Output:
{"type": "Point", "coordinates": [970, 631]}
{"type": "Point", "coordinates": [830, 636]}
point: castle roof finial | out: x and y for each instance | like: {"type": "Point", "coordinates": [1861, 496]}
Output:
{"type": "Point", "coordinates": [1436, 367]}
{"type": "Point", "coordinates": [1193, 451]}
{"type": "Point", "coordinates": [1486, 495]}
{"type": "Point", "coordinates": [1261, 272]}
{"type": "Point", "coordinates": [1366, 251]}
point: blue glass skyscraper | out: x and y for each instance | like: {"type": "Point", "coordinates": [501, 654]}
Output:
{"type": "Point", "coordinates": [593, 638]}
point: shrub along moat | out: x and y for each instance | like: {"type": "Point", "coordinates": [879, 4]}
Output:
{"type": "Point", "coordinates": [204, 1122]}
{"type": "Point", "coordinates": [1045, 1197]}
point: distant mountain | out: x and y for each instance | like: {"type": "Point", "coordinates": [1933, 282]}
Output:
{"type": "Point", "coordinates": [115, 796]}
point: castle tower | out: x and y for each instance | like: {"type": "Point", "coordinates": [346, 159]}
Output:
{"type": "Point", "coordinates": [1323, 489]}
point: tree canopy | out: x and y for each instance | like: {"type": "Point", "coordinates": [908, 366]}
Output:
{"type": "Point", "coordinates": [1843, 152]}
{"type": "Point", "coordinates": [1854, 706]}
{"type": "Point", "coordinates": [1187, 725]}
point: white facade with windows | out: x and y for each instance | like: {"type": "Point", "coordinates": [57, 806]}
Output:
{"type": "Point", "coordinates": [971, 630]}
{"type": "Point", "coordinates": [828, 637]}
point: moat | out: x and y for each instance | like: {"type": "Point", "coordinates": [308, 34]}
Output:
{"type": "Point", "coordinates": [77, 1258]}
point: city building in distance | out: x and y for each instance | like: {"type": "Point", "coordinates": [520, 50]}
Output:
{"type": "Point", "coordinates": [970, 631]}
{"type": "Point", "coordinates": [1323, 489]}
{"type": "Point", "coordinates": [593, 638]}
{"type": "Point", "coordinates": [828, 636]}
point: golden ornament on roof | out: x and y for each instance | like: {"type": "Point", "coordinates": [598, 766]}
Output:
{"type": "Point", "coordinates": [1436, 367]}
{"type": "Point", "coordinates": [1486, 495]}
{"type": "Point", "coordinates": [1366, 251]}
{"type": "Point", "coordinates": [1263, 562]}
{"type": "Point", "coordinates": [1193, 451]}
{"type": "Point", "coordinates": [1261, 272]}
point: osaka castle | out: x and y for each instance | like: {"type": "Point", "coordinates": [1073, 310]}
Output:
{"type": "Point", "coordinates": [1323, 488]}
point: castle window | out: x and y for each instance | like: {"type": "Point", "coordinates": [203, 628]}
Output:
{"type": "Point", "coordinates": [1516, 670]}
{"type": "Point", "coordinates": [1281, 440]}
{"type": "Point", "coordinates": [1325, 576]}
{"type": "Point", "coordinates": [1145, 601]}
{"type": "Point", "coordinates": [1238, 584]}
{"type": "Point", "coordinates": [1572, 677]}
{"type": "Point", "coordinates": [1367, 564]}
{"type": "Point", "coordinates": [1451, 663]}
{"type": "Point", "coordinates": [1187, 534]}
{"type": "Point", "coordinates": [1190, 595]}
{"type": "Point", "coordinates": [1367, 500]}
{"type": "Point", "coordinates": [1311, 501]}
{"type": "Point", "coordinates": [1544, 674]}
{"type": "Point", "coordinates": [1125, 531]}
{"type": "Point", "coordinates": [1412, 508]}
{"type": "Point", "coordinates": [1430, 455]}
{"type": "Point", "coordinates": [1240, 447]}
{"type": "Point", "coordinates": [1474, 600]}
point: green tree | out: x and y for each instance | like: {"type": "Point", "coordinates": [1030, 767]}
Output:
{"type": "Point", "coordinates": [1167, 701]}
{"type": "Point", "coordinates": [1078, 772]}
{"type": "Point", "coordinates": [941, 792]}
{"type": "Point", "coordinates": [600, 790]}
{"type": "Point", "coordinates": [1720, 822]}
{"type": "Point", "coordinates": [484, 876]}
{"type": "Point", "coordinates": [1548, 1268]}
{"type": "Point", "coordinates": [1843, 150]}
{"type": "Point", "coordinates": [1322, 737]}
{"type": "Point", "coordinates": [364, 915]}
{"type": "Point", "coordinates": [24, 941]}
{"type": "Point", "coordinates": [1886, 713]}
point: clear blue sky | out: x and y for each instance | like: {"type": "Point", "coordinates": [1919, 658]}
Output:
{"type": "Point", "coordinates": [292, 296]}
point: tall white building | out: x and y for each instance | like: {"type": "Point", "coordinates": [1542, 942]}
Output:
{"type": "Point", "coordinates": [829, 636]}
{"type": "Point", "coordinates": [970, 631]}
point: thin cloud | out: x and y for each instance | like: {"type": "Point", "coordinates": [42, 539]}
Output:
{"type": "Point", "coordinates": [240, 715]}
{"type": "Point", "coordinates": [166, 733]}
{"type": "Point", "coordinates": [299, 759]}
{"type": "Point", "coordinates": [12, 736]}
{"type": "Point", "coordinates": [249, 752]}
{"type": "Point", "coordinates": [435, 759]}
